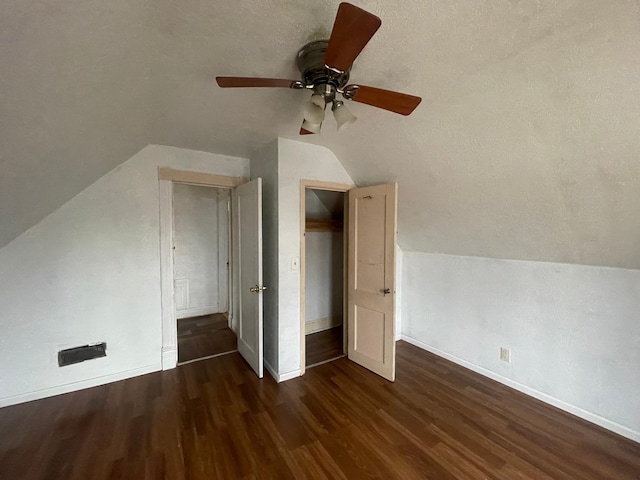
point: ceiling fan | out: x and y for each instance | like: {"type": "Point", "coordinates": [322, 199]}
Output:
{"type": "Point", "coordinates": [325, 66]}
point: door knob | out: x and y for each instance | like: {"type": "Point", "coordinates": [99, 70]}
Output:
{"type": "Point", "coordinates": [386, 291]}
{"type": "Point", "coordinates": [258, 288]}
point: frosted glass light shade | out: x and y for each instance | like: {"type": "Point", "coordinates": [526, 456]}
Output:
{"type": "Point", "coordinates": [342, 114]}
{"type": "Point", "coordinates": [314, 110]}
{"type": "Point", "coordinates": [311, 127]}
{"type": "Point", "coordinates": [318, 100]}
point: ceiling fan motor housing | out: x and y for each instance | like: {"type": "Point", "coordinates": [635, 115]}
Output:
{"type": "Point", "coordinates": [316, 74]}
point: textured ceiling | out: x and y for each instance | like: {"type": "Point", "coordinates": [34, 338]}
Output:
{"type": "Point", "coordinates": [526, 144]}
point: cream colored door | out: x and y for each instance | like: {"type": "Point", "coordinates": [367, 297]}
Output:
{"type": "Point", "coordinates": [371, 282]}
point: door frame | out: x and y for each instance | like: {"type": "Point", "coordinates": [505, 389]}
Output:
{"type": "Point", "coordinates": [166, 178]}
{"type": "Point", "coordinates": [332, 187]}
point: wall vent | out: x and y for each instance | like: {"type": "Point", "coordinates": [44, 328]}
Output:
{"type": "Point", "coordinates": [80, 354]}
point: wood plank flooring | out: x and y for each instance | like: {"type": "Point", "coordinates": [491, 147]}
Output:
{"type": "Point", "coordinates": [323, 346]}
{"type": "Point", "coordinates": [215, 420]}
{"type": "Point", "coordinates": [200, 337]}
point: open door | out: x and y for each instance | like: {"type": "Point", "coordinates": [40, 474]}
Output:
{"type": "Point", "coordinates": [371, 282]}
{"type": "Point", "coordinates": [247, 209]}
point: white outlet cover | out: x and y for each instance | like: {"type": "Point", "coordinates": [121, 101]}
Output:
{"type": "Point", "coordinates": [505, 354]}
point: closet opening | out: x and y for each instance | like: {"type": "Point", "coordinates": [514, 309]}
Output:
{"type": "Point", "coordinates": [324, 254]}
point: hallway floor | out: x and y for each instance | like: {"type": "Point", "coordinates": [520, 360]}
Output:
{"type": "Point", "coordinates": [204, 336]}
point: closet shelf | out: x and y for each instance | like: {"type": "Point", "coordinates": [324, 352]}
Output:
{"type": "Point", "coordinates": [316, 225]}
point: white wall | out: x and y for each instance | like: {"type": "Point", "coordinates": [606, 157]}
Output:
{"type": "Point", "coordinates": [264, 164]}
{"type": "Point", "coordinates": [296, 161]}
{"type": "Point", "coordinates": [314, 208]}
{"type": "Point", "coordinates": [324, 283]}
{"type": "Point", "coordinates": [573, 331]}
{"type": "Point", "coordinates": [90, 272]}
{"type": "Point", "coordinates": [200, 254]}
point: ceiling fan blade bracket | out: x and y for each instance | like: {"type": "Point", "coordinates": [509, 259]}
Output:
{"type": "Point", "coordinates": [396, 102]}
{"type": "Point", "coordinates": [350, 91]}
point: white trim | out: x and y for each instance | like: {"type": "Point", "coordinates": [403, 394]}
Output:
{"type": "Point", "coordinates": [74, 386]}
{"type": "Point", "coordinates": [567, 407]}
{"type": "Point", "coordinates": [197, 311]}
{"type": "Point", "coordinates": [281, 377]}
{"type": "Point", "coordinates": [289, 375]}
{"type": "Point", "coordinates": [169, 324]}
{"type": "Point", "coordinates": [169, 358]}
{"type": "Point", "coordinates": [321, 324]}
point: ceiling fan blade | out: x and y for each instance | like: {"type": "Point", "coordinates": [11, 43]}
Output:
{"type": "Point", "coordinates": [234, 82]}
{"type": "Point", "coordinates": [352, 30]}
{"type": "Point", "coordinates": [377, 97]}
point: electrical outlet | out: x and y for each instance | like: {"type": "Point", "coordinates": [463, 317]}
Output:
{"type": "Point", "coordinates": [505, 354]}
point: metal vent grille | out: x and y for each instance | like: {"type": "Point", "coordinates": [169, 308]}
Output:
{"type": "Point", "coordinates": [80, 354]}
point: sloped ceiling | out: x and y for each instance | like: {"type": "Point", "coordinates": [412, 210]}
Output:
{"type": "Point", "coordinates": [526, 144]}
{"type": "Point", "coordinates": [74, 100]}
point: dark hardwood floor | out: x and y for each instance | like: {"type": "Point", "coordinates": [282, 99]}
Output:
{"type": "Point", "coordinates": [323, 346]}
{"type": "Point", "coordinates": [203, 336]}
{"type": "Point", "coordinates": [215, 419]}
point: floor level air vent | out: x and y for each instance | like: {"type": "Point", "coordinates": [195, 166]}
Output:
{"type": "Point", "coordinates": [80, 354]}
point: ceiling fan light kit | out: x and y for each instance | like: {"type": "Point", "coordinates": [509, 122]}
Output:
{"type": "Point", "coordinates": [342, 114]}
{"type": "Point", "coordinates": [313, 110]}
{"type": "Point", "coordinates": [325, 67]}
{"type": "Point", "coordinates": [309, 128]}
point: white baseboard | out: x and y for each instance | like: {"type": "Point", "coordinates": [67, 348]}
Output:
{"type": "Point", "coordinates": [321, 324]}
{"type": "Point", "coordinates": [567, 407]}
{"type": "Point", "coordinates": [197, 311]}
{"type": "Point", "coordinates": [169, 358]}
{"type": "Point", "coordinates": [289, 375]}
{"type": "Point", "coordinates": [281, 377]}
{"type": "Point", "coordinates": [74, 386]}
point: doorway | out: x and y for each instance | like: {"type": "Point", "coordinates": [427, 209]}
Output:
{"type": "Point", "coordinates": [324, 276]}
{"type": "Point", "coordinates": [201, 259]}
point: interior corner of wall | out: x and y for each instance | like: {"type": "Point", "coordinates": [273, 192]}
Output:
{"type": "Point", "coordinates": [271, 146]}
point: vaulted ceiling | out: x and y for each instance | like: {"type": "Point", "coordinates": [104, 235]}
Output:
{"type": "Point", "coordinates": [526, 144]}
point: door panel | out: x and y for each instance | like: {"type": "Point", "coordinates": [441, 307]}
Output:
{"type": "Point", "coordinates": [370, 341]}
{"type": "Point", "coordinates": [247, 207]}
{"type": "Point", "coordinates": [371, 282]}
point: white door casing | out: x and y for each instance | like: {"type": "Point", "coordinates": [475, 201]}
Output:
{"type": "Point", "coordinates": [371, 278]}
{"type": "Point", "coordinates": [247, 208]}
